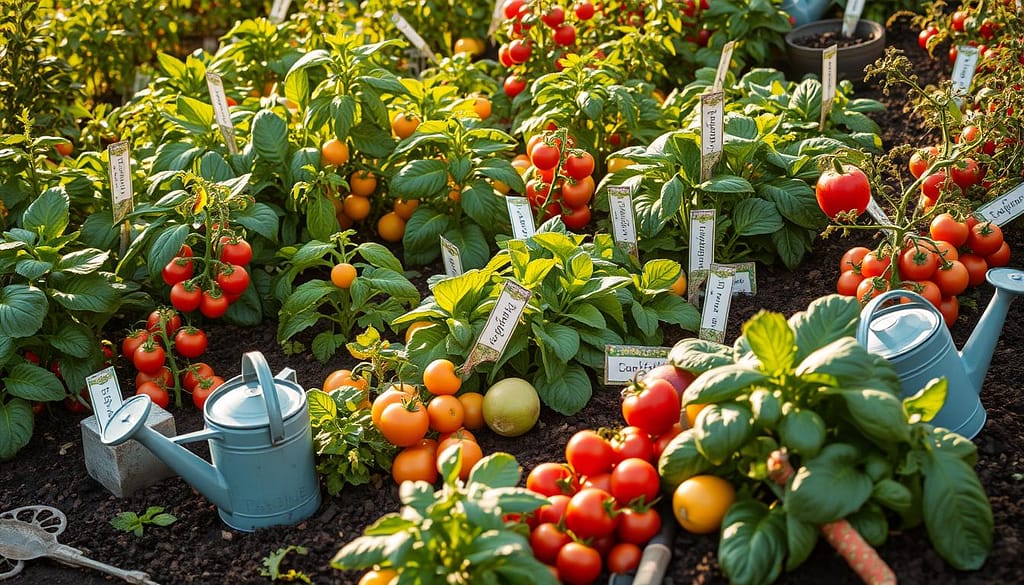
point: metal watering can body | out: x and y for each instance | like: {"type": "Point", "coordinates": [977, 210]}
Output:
{"type": "Point", "coordinates": [263, 471]}
{"type": "Point", "coordinates": [914, 339]}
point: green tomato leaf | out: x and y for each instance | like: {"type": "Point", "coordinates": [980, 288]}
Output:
{"type": "Point", "coordinates": [419, 179]}
{"type": "Point", "coordinates": [956, 510]}
{"type": "Point", "coordinates": [567, 393]}
{"type": "Point", "coordinates": [32, 382]}
{"type": "Point", "coordinates": [721, 430]}
{"type": "Point", "coordinates": [562, 340]}
{"type": "Point", "coordinates": [74, 339]}
{"type": "Point", "coordinates": [48, 214]}
{"type": "Point", "coordinates": [753, 543]}
{"type": "Point", "coordinates": [23, 309]}
{"type": "Point", "coordinates": [771, 340]}
{"type": "Point", "coordinates": [259, 218]}
{"type": "Point", "coordinates": [83, 261]}
{"type": "Point", "coordinates": [379, 256]}
{"type": "Point", "coordinates": [828, 487]}
{"type": "Point", "coordinates": [366, 551]}
{"type": "Point", "coordinates": [321, 407]}
{"type": "Point", "coordinates": [495, 470]}
{"type": "Point", "coordinates": [88, 292]}
{"type": "Point", "coordinates": [755, 217]}
{"type": "Point", "coordinates": [421, 241]}
{"type": "Point", "coordinates": [16, 423]}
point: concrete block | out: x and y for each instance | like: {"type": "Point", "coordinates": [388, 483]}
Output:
{"type": "Point", "coordinates": [128, 467]}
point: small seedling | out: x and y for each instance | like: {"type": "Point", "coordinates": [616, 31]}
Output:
{"type": "Point", "coordinates": [132, 522]}
{"type": "Point", "coordinates": [272, 565]}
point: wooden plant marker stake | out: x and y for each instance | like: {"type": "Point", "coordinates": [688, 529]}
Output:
{"type": "Point", "coordinates": [414, 37]}
{"type": "Point", "coordinates": [712, 109]}
{"type": "Point", "coordinates": [220, 110]}
{"type": "Point", "coordinates": [451, 256]}
{"type": "Point", "coordinates": [702, 251]}
{"type": "Point", "coordinates": [828, 82]}
{"type": "Point", "coordinates": [122, 195]}
{"type": "Point", "coordinates": [715, 316]}
{"type": "Point", "coordinates": [620, 203]}
{"type": "Point", "coordinates": [500, 325]}
{"type": "Point", "coordinates": [723, 66]}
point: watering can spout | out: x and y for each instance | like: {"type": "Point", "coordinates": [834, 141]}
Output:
{"type": "Point", "coordinates": [977, 352]}
{"type": "Point", "coordinates": [128, 422]}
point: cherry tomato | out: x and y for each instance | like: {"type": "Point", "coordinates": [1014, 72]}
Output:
{"type": "Point", "coordinates": [576, 218]}
{"type": "Point", "coordinates": [590, 514]}
{"type": "Point", "coordinates": [635, 481]}
{"type": "Point", "coordinates": [967, 175]}
{"type": "Point", "coordinates": [922, 159]}
{"type": "Point", "coordinates": [233, 279]}
{"type": "Point", "coordinates": [204, 388]}
{"type": "Point", "coordinates": [848, 282]}
{"type": "Point", "coordinates": [985, 238]}
{"type": "Point", "coordinates": [514, 85]}
{"type": "Point", "coordinates": [925, 35]}
{"type": "Point", "coordinates": [190, 342]}
{"type": "Point", "coordinates": [149, 358]}
{"type": "Point", "coordinates": [186, 296]}
{"type": "Point", "coordinates": [579, 164]}
{"type": "Point", "coordinates": [976, 266]}
{"type": "Point", "coordinates": [132, 341]}
{"type": "Point", "coordinates": [547, 540]}
{"type": "Point", "coordinates": [579, 193]}
{"type": "Point", "coordinates": [549, 479]}
{"type": "Point", "coordinates": [950, 309]}
{"type": "Point", "coordinates": [632, 442]}
{"type": "Point", "coordinates": [158, 395]}
{"type": "Point", "coordinates": [852, 259]}
{"type": "Point", "coordinates": [870, 288]}
{"type": "Point", "coordinates": [545, 156]}
{"type": "Point", "coordinates": [946, 228]}
{"type": "Point", "coordinates": [917, 263]}
{"type": "Point", "coordinates": [235, 250]}
{"type": "Point", "coordinates": [661, 442]}
{"type": "Point", "coordinates": [213, 304]}
{"type": "Point", "coordinates": [652, 407]}
{"type": "Point", "coordinates": [588, 453]}
{"type": "Point", "coordinates": [927, 289]}
{"type": "Point", "coordinates": [177, 270]}
{"type": "Point", "coordinates": [565, 35]}
{"type": "Point", "coordinates": [638, 525]}
{"type": "Point", "coordinates": [169, 317]}
{"type": "Point", "coordinates": [952, 278]}
{"type": "Point", "coordinates": [849, 191]}
{"type": "Point", "coordinates": [874, 264]}
{"type": "Point", "coordinates": [1000, 257]}
{"type": "Point", "coordinates": [194, 374]}
{"type": "Point", "coordinates": [554, 510]}
{"type": "Point", "coordinates": [578, 564]}
{"type": "Point", "coordinates": [163, 378]}
{"type": "Point", "coordinates": [624, 557]}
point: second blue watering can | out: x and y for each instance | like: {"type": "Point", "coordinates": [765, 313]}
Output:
{"type": "Point", "coordinates": [913, 337]}
{"type": "Point", "coordinates": [261, 446]}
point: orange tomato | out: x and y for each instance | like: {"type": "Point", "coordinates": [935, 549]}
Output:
{"type": "Point", "coordinates": [339, 378]}
{"type": "Point", "coordinates": [384, 400]}
{"type": "Point", "coordinates": [378, 577]}
{"type": "Point", "coordinates": [679, 286]}
{"type": "Point", "coordinates": [700, 503]}
{"type": "Point", "coordinates": [391, 227]}
{"type": "Point", "coordinates": [403, 125]}
{"type": "Point", "coordinates": [405, 423]}
{"type": "Point", "coordinates": [357, 208]}
{"type": "Point", "coordinates": [616, 164]}
{"type": "Point", "coordinates": [404, 209]}
{"type": "Point", "coordinates": [334, 152]}
{"type": "Point", "coordinates": [440, 378]}
{"type": "Point", "coordinates": [482, 105]}
{"type": "Point", "coordinates": [458, 434]}
{"type": "Point", "coordinates": [446, 413]}
{"type": "Point", "coordinates": [65, 148]}
{"type": "Point", "coordinates": [692, 410]}
{"type": "Point", "coordinates": [362, 183]}
{"type": "Point", "coordinates": [343, 275]}
{"type": "Point", "coordinates": [473, 407]}
{"type": "Point", "coordinates": [415, 463]}
{"type": "Point", "coordinates": [471, 453]}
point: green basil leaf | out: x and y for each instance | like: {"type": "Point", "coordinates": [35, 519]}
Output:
{"type": "Point", "coordinates": [567, 393]}
{"type": "Point", "coordinates": [721, 429]}
{"type": "Point", "coordinates": [828, 487]}
{"type": "Point", "coordinates": [840, 363]}
{"type": "Point", "coordinates": [826, 319]}
{"type": "Point", "coordinates": [878, 414]}
{"type": "Point", "coordinates": [698, 355]}
{"type": "Point", "coordinates": [870, 522]}
{"type": "Point", "coordinates": [957, 513]}
{"type": "Point", "coordinates": [800, 540]}
{"type": "Point", "coordinates": [722, 383]}
{"type": "Point", "coordinates": [926, 402]}
{"type": "Point", "coordinates": [893, 495]}
{"type": "Point", "coordinates": [771, 340]}
{"type": "Point", "coordinates": [680, 461]}
{"type": "Point", "coordinates": [753, 543]}
{"type": "Point", "coordinates": [498, 470]}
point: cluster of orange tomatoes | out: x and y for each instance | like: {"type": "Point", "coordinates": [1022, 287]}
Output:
{"type": "Point", "coordinates": [955, 257]}
{"type": "Point", "coordinates": [559, 181]}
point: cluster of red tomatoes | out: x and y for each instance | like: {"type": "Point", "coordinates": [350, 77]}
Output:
{"type": "Point", "coordinates": [518, 51]}
{"type": "Point", "coordinates": [149, 350]}
{"type": "Point", "coordinates": [955, 180]}
{"type": "Point", "coordinates": [558, 181]}
{"type": "Point", "coordinates": [956, 256]}
{"type": "Point", "coordinates": [599, 513]}
{"type": "Point", "coordinates": [220, 283]}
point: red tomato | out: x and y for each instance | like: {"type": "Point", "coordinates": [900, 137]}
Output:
{"type": "Point", "coordinates": [843, 192]}
{"type": "Point", "coordinates": [519, 51]}
{"type": "Point", "coordinates": [946, 228]}
{"type": "Point", "coordinates": [554, 16]}
{"type": "Point", "coordinates": [579, 164]}
{"type": "Point", "coordinates": [635, 481]}
{"type": "Point", "coordinates": [678, 377]}
{"type": "Point", "coordinates": [589, 454]}
{"type": "Point", "coordinates": [186, 296]}
{"type": "Point", "coordinates": [202, 391]}
{"type": "Point", "coordinates": [874, 264]}
{"type": "Point", "coordinates": [578, 564]}
{"type": "Point", "coordinates": [548, 479]}
{"type": "Point", "coordinates": [922, 159]}
{"type": "Point", "coordinates": [958, 19]}
{"type": "Point", "coordinates": [624, 557]}
{"type": "Point", "coordinates": [135, 338]}
{"type": "Point", "coordinates": [565, 35]}
{"type": "Point", "coordinates": [976, 266]}
{"type": "Point", "coordinates": [234, 250]}
{"type": "Point", "coordinates": [601, 481]}
{"type": "Point", "coordinates": [514, 86]}
{"type": "Point", "coordinates": [554, 510]}
{"type": "Point", "coordinates": [163, 319]}
{"type": "Point", "coordinates": [177, 270]}
{"type": "Point", "coordinates": [194, 374]}
{"type": "Point", "coordinates": [933, 186]}
{"type": "Point", "coordinates": [1000, 257]}
{"type": "Point", "coordinates": [966, 174]}
{"type": "Point", "coordinates": [632, 442]}
{"type": "Point", "coordinates": [952, 278]}
{"type": "Point", "coordinates": [638, 525]}
{"type": "Point", "coordinates": [950, 309]}
{"type": "Point", "coordinates": [584, 10]}
{"type": "Point", "coordinates": [917, 263]}
{"type": "Point", "coordinates": [590, 514]}
{"type": "Point", "coordinates": [233, 279]}
{"type": "Point", "coordinates": [870, 288]}
{"type": "Point", "coordinates": [163, 378]}
{"type": "Point", "coordinates": [852, 259]}
{"type": "Point", "coordinates": [190, 342]}
{"type": "Point", "coordinates": [577, 194]}
{"type": "Point", "coordinates": [545, 156]}
{"type": "Point", "coordinates": [927, 289]}
{"type": "Point", "coordinates": [576, 218]}
{"type": "Point", "coordinates": [652, 407]}
{"type": "Point", "coordinates": [661, 442]}
{"type": "Point", "coordinates": [547, 540]}
{"type": "Point", "coordinates": [158, 395]}
{"type": "Point", "coordinates": [985, 238]}
{"type": "Point", "coordinates": [848, 283]}
{"type": "Point", "coordinates": [149, 358]}
{"type": "Point", "coordinates": [213, 304]}
{"type": "Point", "coordinates": [924, 35]}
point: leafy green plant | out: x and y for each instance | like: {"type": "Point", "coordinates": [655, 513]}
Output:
{"type": "Point", "coordinates": [457, 533]}
{"type": "Point", "coordinates": [860, 452]}
{"type": "Point", "coordinates": [584, 297]}
{"type": "Point", "coordinates": [135, 523]}
{"type": "Point", "coordinates": [272, 565]}
{"type": "Point", "coordinates": [377, 295]}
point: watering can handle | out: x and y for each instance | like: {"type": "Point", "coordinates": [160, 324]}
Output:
{"type": "Point", "coordinates": [255, 369]}
{"type": "Point", "coordinates": [868, 312]}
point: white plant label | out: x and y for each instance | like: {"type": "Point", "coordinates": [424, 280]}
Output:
{"type": "Point", "coordinates": [878, 214]}
{"type": "Point", "coordinates": [620, 203]}
{"type": "Point", "coordinates": [500, 325]}
{"type": "Point", "coordinates": [139, 82]}
{"type": "Point", "coordinates": [702, 250]}
{"type": "Point", "coordinates": [723, 65]}
{"type": "Point", "coordinates": [715, 316]}
{"type": "Point", "coordinates": [414, 37]}
{"type": "Point", "coordinates": [279, 10]}
{"type": "Point", "coordinates": [744, 281]}
{"type": "Point", "coordinates": [712, 107]}
{"type": "Point", "coordinates": [104, 394]}
{"type": "Point", "coordinates": [828, 82]}
{"type": "Point", "coordinates": [963, 70]}
{"type": "Point", "coordinates": [851, 16]}
{"type": "Point", "coordinates": [1005, 209]}
{"type": "Point", "coordinates": [120, 171]}
{"type": "Point", "coordinates": [221, 113]}
{"type": "Point", "coordinates": [624, 363]}
{"type": "Point", "coordinates": [452, 257]}
{"type": "Point", "coordinates": [521, 215]}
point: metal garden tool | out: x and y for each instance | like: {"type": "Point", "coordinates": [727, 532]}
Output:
{"type": "Point", "coordinates": [914, 339]}
{"type": "Point", "coordinates": [31, 532]}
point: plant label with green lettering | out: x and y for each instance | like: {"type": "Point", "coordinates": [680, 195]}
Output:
{"type": "Point", "coordinates": [828, 82]}
{"type": "Point", "coordinates": [624, 363]}
{"type": "Point", "coordinates": [104, 395]}
{"type": "Point", "coordinates": [717, 296]}
{"type": "Point", "coordinates": [119, 168]}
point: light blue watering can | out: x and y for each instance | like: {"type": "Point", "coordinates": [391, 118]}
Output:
{"type": "Point", "coordinates": [913, 337]}
{"type": "Point", "coordinates": [805, 11]}
{"type": "Point", "coordinates": [261, 444]}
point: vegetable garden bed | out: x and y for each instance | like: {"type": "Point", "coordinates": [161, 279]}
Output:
{"type": "Point", "coordinates": [199, 549]}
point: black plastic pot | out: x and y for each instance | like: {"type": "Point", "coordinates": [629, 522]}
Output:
{"type": "Point", "coordinates": [850, 60]}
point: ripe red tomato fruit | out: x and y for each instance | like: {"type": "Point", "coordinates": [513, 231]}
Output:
{"type": "Point", "coordinates": [186, 296]}
{"type": "Point", "coordinates": [927, 289]}
{"type": "Point", "coordinates": [966, 174]}
{"type": "Point", "coordinates": [547, 540]}
{"type": "Point", "coordinates": [554, 16]}
{"type": "Point", "coordinates": [958, 19]}
{"type": "Point", "coordinates": [952, 278]}
{"type": "Point", "coordinates": [149, 358]}
{"type": "Point", "coordinates": [985, 238]}
{"type": "Point", "coordinates": [922, 159]}
{"type": "Point", "coordinates": [624, 557]}
{"type": "Point", "coordinates": [194, 374]}
{"type": "Point", "coordinates": [190, 342]}
{"type": "Point", "coordinates": [950, 309]}
{"type": "Point", "coordinates": [589, 454]}
{"type": "Point", "coordinates": [203, 390]}
{"type": "Point", "coordinates": [158, 395]}
{"type": "Point", "coordinates": [852, 259]}
{"type": "Point", "coordinates": [848, 282]}
{"type": "Point", "coordinates": [163, 378]}
{"type": "Point", "coordinates": [177, 270]}
{"type": "Point", "coordinates": [590, 514]}
{"type": "Point", "coordinates": [1000, 257]}
{"type": "Point", "coordinates": [232, 279]}
{"type": "Point", "coordinates": [946, 228]}
{"type": "Point", "coordinates": [545, 156]}
{"type": "Point", "coordinates": [661, 442]}
{"type": "Point", "coordinates": [554, 510]}
{"type": "Point", "coordinates": [848, 191]}
{"type": "Point", "coordinates": [565, 35]}
{"type": "Point", "coordinates": [549, 479]}
{"type": "Point", "coordinates": [576, 218]}
{"type": "Point", "coordinates": [870, 288]}
{"type": "Point", "coordinates": [584, 10]}
{"type": "Point", "coordinates": [169, 317]}
{"type": "Point", "coordinates": [652, 407]}
{"type": "Point", "coordinates": [514, 86]}
{"type": "Point", "coordinates": [917, 263]}
{"type": "Point", "coordinates": [578, 564]}
{"type": "Point", "coordinates": [519, 51]}
{"type": "Point", "coordinates": [874, 264]}
{"type": "Point", "coordinates": [234, 250]}
{"type": "Point", "coordinates": [132, 341]}
{"type": "Point", "coordinates": [638, 525]}
{"type": "Point", "coordinates": [924, 35]}
{"type": "Point", "coordinates": [635, 481]}
{"type": "Point", "coordinates": [577, 194]}
{"type": "Point", "coordinates": [632, 442]}
{"type": "Point", "coordinates": [933, 186]}
{"type": "Point", "coordinates": [213, 304]}
{"type": "Point", "coordinates": [976, 266]}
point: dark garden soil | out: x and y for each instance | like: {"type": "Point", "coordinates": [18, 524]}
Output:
{"type": "Point", "coordinates": [198, 548]}
{"type": "Point", "coordinates": [829, 38]}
